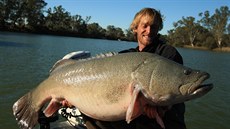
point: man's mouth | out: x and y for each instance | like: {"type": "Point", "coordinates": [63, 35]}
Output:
{"type": "Point", "coordinates": [147, 37]}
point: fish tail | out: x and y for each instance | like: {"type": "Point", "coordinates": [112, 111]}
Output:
{"type": "Point", "coordinates": [24, 113]}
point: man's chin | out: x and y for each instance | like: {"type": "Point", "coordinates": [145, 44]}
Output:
{"type": "Point", "coordinates": [148, 42]}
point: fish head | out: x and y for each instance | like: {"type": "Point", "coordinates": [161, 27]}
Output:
{"type": "Point", "coordinates": [165, 82]}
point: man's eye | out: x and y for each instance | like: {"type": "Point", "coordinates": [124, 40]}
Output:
{"type": "Point", "coordinates": [145, 26]}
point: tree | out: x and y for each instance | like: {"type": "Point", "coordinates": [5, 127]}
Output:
{"type": "Point", "coordinates": [205, 39]}
{"type": "Point", "coordinates": [3, 14]}
{"type": "Point", "coordinates": [228, 29]}
{"type": "Point", "coordinates": [79, 25]}
{"type": "Point", "coordinates": [58, 19]}
{"type": "Point", "coordinates": [129, 35]}
{"type": "Point", "coordinates": [217, 23]}
{"type": "Point", "coordinates": [33, 12]}
{"type": "Point", "coordinates": [95, 30]}
{"type": "Point", "coordinates": [22, 14]}
{"type": "Point", "coordinates": [178, 36]}
{"type": "Point", "coordinates": [11, 13]}
{"type": "Point", "coordinates": [113, 32]}
{"type": "Point", "coordinates": [120, 34]}
{"type": "Point", "coordinates": [190, 27]}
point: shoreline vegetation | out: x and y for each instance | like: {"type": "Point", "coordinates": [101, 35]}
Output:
{"type": "Point", "coordinates": [223, 49]}
{"type": "Point", "coordinates": [208, 32]}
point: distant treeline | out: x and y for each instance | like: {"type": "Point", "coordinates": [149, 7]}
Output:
{"type": "Point", "coordinates": [209, 31]}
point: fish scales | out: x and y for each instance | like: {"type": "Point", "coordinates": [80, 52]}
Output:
{"type": "Point", "coordinates": [100, 75]}
{"type": "Point", "coordinates": [112, 88]}
{"type": "Point", "coordinates": [108, 83]}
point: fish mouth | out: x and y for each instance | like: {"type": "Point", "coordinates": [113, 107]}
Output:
{"type": "Point", "coordinates": [200, 89]}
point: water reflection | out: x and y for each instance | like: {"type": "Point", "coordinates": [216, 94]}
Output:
{"type": "Point", "coordinates": [13, 44]}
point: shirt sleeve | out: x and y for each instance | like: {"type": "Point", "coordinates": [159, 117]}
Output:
{"type": "Point", "coordinates": [169, 52]}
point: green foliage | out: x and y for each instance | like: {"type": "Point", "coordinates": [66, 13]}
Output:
{"type": "Point", "coordinates": [129, 35]}
{"type": "Point", "coordinates": [226, 40]}
{"type": "Point", "coordinates": [208, 32]}
{"type": "Point", "coordinates": [30, 16]}
{"type": "Point", "coordinates": [217, 23]}
{"type": "Point", "coordinates": [178, 36]}
{"type": "Point", "coordinates": [34, 13]}
{"type": "Point", "coordinates": [58, 19]}
{"type": "Point", "coordinates": [211, 31]}
{"type": "Point", "coordinates": [210, 43]}
{"type": "Point", "coordinates": [190, 27]}
{"type": "Point", "coordinates": [114, 33]}
{"type": "Point", "coordinates": [95, 30]}
{"type": "Point", "coordinates": [22, 14]}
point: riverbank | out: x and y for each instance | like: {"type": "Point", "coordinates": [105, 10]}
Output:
{"type": "Point", "coordinates": [223, 49]}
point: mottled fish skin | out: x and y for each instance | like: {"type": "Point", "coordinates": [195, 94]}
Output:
{"type": "Point", "coordinates": [112, 88]}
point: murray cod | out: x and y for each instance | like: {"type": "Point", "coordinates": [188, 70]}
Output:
{"type": "Point", "coordinates": [111, 88]}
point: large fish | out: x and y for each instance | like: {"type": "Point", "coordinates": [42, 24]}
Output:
{"type": "Point", "coordinates": [112, 88]}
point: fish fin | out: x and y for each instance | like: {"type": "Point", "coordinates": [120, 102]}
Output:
{"type": "Point", "coordinates": [70, 58]}
{"type": "Point", "coordinates": [108, 54]}
{"type": "Point", "coordinates": [101, 55]}
{"type": "Point", "coordinates": [152, 112]}
{"type": "Point", "coordinates": [135, 107]}
{"type": "Point", "coordinates": [24, 112]}
{"type": "Point", "coordinates": [77, 55]}
{"type": "Point", "coordinates": [52, 107]}
{"type": "Point", "coordinates": [61, 63]}
{"type": "Point", "coordinates": [160, 121]}
{"type": "Point", "coordinates": [138, 106]}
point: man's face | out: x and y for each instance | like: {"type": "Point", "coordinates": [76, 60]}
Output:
{"type": "Point", "coordinates": [146, 31]}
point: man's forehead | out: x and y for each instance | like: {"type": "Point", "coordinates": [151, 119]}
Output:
{"type": "Point", "coordinates": [147, 20]}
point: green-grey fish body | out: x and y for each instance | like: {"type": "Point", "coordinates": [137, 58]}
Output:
{"type": "Point", "coordinates": [112, 88]}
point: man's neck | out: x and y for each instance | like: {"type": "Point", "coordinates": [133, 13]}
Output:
{"type": "Point", "coordinates": [141, 47]}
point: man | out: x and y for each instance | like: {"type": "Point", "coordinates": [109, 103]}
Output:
{"type": "Point", "coordinates": [145, 26]}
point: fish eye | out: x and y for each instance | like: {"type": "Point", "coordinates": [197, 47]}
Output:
{"type": "Point", "coordinates": [187, 71]}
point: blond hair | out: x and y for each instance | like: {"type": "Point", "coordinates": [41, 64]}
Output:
{"type": "Point", "coordinates": [154, 16]}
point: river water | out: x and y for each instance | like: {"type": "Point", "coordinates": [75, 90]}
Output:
{"type": "Point", "coordinates": [25, 60]}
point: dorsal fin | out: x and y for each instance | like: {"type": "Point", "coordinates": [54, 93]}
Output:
{"type": "Point", "coordinates": [61, 63]}
{"type": "Point", "coordinates": [77, 55]}
{"type": "Point", "coordinates": [64, 62]}
{"type": "Point", "coordinates": [101, 55]}
{"type": "Point", "coordinates": [108, 54]}
{"type": "Point", "coordinates": [70, 58]}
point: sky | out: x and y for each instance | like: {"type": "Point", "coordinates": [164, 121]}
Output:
{"type": "Point", "coordinates": [120, 13]}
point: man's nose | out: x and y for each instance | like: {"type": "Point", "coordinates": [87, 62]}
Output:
{"type": "Point", "coordinates": [148, 29]}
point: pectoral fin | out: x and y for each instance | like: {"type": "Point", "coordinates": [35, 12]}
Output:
{"type": "Point", "coordinates": [135, 106]}
{"type": "Point", "coordinates": [53, 106]}
{"type": "Point", "coordinates": [152, 112]}
{"type": "Point", "coordinates": [139, 105]}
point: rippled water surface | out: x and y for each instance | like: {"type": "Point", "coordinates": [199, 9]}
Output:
{"type": "Point", "coordinates": [25, 60]}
